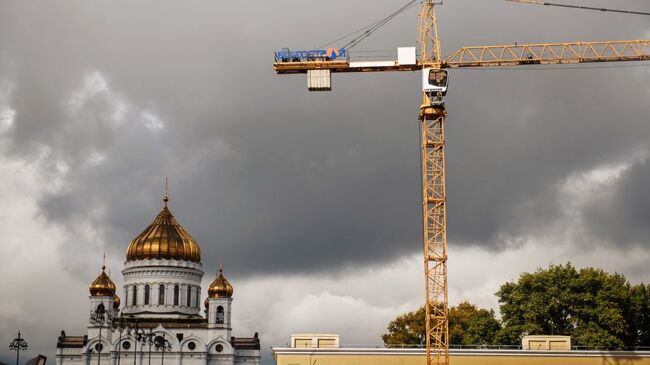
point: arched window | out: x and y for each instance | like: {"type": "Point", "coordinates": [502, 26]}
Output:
{"type": "Point", "coordinates": [189, 296]}
{"type": "Point", "coordinates": [176, 292]}
{"type": "Point", "coordinates": [135, 295]}
{"type": "Point", "coordinates": [220, 314]}
{"type": "Point", "coordinates": [196, 298]}
{"type": "Point", "coordinates": [146, 294]}
{"type": "Point", "coordinates": [161, 294]}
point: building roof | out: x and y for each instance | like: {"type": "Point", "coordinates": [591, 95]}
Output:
{"type": "Point", "coordinates": [246, 343]}
{"type": "Point", "coordinates": [379, 350]}
{"type": "Point", "coordinates": [65, 341]}
{"type": "Point", "coordinates": [171, 323]}
{"type": "Point", "coordinates": [38, 360]}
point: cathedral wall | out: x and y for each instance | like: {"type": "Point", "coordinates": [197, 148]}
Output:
{"type": "Point", "coordinates": [249, 360]}
{"type": "Point", "coordinates": [220, 360]}
{"type": "Point", "coordinates": [69, 356]}
{"type": "Point", "coordinates": [162, 286]}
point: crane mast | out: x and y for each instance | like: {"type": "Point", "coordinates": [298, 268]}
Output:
{"type": "Point", "coordinates": [434, 198]}
{"type": "Point", "coordinates": [428, 35]}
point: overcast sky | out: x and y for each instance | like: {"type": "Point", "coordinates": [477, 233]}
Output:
{"type": "Point", "coordinates": [312, 199]}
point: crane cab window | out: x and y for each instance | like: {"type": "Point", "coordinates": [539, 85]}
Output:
{"type": "Point", "coordinates": [435, 82]}
{"type": "Point", "coordinates": [438, 78]}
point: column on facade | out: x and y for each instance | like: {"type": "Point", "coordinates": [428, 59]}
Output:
{"type": "Point", "coordinates": [191, 294]}
{"type": "Point", "coordinates": [185, 290]}
{"type": "Point", "coordinates": [158, 294]}
{"type": "Point", "coordinates": [126, 296]}
{"type": "Point", "coordinates": [169, 289]}
{"type": "Point", "coordinates": [140, 294]}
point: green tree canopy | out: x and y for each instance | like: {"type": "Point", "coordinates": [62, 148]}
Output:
{"type": "Point", "coordinates": [595, 308]}
{"type": "Point", "coordinates": [468, 325]}
{"type": "Point", "coordinates": [592, 306]}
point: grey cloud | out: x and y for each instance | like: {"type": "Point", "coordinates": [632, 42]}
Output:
{"type": "Point", "coordinates": [301, 181]}
{"type": "Point", "coordinates": [621, 215]}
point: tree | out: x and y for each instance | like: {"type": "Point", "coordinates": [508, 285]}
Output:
{"type": "Point", "coordinates": [472, 326]}
{"type": "Point", "coordinates": [640, 315]}
{"type": "Point", "coordinates": [594, 307]}
{"type": "Point", "coordinates": [407, 329]}
{"type": "Point", "coordinates": [468, 325]}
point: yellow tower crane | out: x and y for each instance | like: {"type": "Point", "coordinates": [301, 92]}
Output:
{"type": "Point", "coordinates": [319, 64]}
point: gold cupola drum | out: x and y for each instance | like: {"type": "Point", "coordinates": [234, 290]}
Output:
{"type": "Point", "coordinates": [220, 287]}
{"type": "Point", "coordinates": [164, 238]}
{"type": "Point", "coordinates": [103, 286]}
{"type": "Point", "coordinates": [163, 271]}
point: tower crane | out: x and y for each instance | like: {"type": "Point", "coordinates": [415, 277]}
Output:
{"type": "Point", "coordinates": [320, 64]}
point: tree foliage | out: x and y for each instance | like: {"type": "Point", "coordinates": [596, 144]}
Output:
{"type": "Point", "coordinates": [407, 329]}
{"type": "Point", "coordinates": [595, 308]}
{"type": "Point", "coordinates": [468, 325]}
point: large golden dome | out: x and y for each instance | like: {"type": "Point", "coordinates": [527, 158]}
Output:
{"type": "Point", "coordinates": [220, 287]}
{"type": "Point", "coordinates": [103, 286]}
{"type": "Point", "coordinates": [165, 238]}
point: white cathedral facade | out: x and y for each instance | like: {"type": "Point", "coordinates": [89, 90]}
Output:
{"type": "Point", "coordinates": [160, 319]}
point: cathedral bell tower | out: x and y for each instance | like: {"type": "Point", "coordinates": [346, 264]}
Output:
{"type": "Point", "coordinates": [219, 303]}
{"type": "Point", "coordinates": [103, 302]}
{"type": "Point", "coordinates": [102, 292]}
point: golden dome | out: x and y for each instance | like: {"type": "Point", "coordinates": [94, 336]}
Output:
{"type": "Point", "coordinates": [220, 287]}
{"type": "Point", "coordinates": [165, 238]}
{"type": "Point", "coordinates": [116, 302]}
{"type": "Point", "coordinates": [102, 286]}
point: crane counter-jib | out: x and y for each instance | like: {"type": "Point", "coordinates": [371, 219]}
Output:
{"type": "Point", "coordinates": [335, 60]}
{"type": "Point", "coordinates": [342, 66]}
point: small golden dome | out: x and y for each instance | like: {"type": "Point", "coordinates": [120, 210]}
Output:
{"type": "Point", "coordinates": [102, 286]}
{"type": "Point", "coordinates": [164, 238]}
{"type": "Point", "coordinates": [220, 287]}
{"type": "Point", "coordinates": [116, 302]}
{"type": "Point", "coordinates": [206, 303]}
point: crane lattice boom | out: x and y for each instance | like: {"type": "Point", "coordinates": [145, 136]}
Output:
{"type": "Point", "coordinates": [549, 53]}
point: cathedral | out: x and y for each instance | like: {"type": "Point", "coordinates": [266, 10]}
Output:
{"type": "Point", "coordinates": [159, 321]}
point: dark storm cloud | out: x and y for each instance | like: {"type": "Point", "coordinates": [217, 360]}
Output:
{"type": "Point", "coordinates": [621, 216]}
{"type": "Point", "coordinates": [275, 179]}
